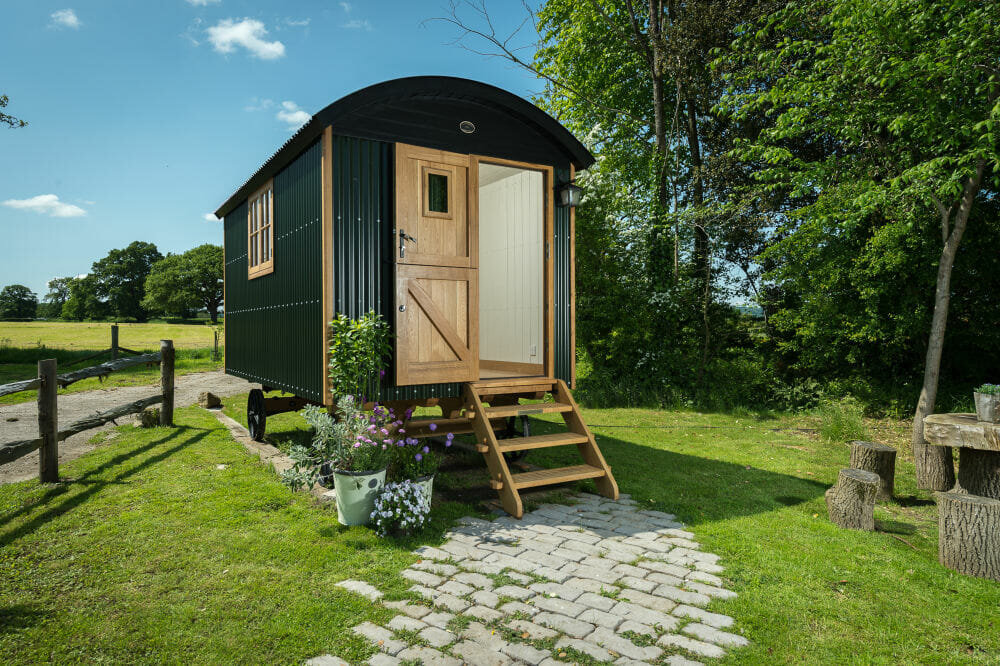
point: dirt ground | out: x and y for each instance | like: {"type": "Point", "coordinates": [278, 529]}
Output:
{"type": "Point", "coordinates": [18, 422]}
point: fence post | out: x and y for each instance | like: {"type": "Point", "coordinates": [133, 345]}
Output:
{"type": "Point", "coordinates": [167, 382]}
{"type": "Point", "coordinates": [48, 423]}
{"type": "Point", "coordinates": [114, 341]}
{"type": "Point", "coordinates": [215, 353]}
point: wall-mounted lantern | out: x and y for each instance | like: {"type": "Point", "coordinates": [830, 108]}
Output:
{"type": "Point", "coordinates": [570, 194]}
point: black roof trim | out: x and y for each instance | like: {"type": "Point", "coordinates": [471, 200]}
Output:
{"type": "Point", "coordinates": [444, 87]}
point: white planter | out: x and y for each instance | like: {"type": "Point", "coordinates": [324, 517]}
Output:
{"type": "Point", "coordinates": [356, 493]}
{"type": "Point", "coordinates": [987, 407]}
{"type": "Point", "coordinates": [427, 483]}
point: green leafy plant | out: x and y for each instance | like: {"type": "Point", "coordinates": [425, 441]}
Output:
{"type": "Point", "coordinates": [358, 352]}
{"type": "Point", "coordinates": [842, 420]}
{"type": "Point", "coordinates": [989, 389]}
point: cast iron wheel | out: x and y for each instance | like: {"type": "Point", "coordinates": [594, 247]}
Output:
{"type": "Point", "coordinates": [256, 415]}
{"type": "Point", "coordinates": [511, 432]}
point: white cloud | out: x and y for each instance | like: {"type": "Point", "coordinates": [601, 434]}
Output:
{"type": "Point", "coordinates": [291, 113]}
{"type": "Point", "coordinates": [297, 23]}
{"type": "Point", "coordinates": [346, 6]}
{"type": "Point", "coordinates": [227, 34]}
{"type": "Point", "coordinates": [202, 3]}
{"type": "Point", "coordinates": [65, 18]}
{"type": "Point", "coordinates": [210, 217]}
{"type": "Point", "coordinates": [259, 104]}
{"type": "Point", "coordinates": [46, 204]}
{"type": "Point", "coordinates": [357, 24]}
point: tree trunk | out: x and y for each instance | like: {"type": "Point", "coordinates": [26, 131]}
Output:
{"type": "Point", "coordinates": [213, 313]}
{"type": "Point", "coordinates": [851, 502]}
{"type": "Point", "coordinates": [969, 534]}
{"type": "Point", "coordinates": [979, 472]}
{"type": "Point", "coordinates": [934, 464]}
{"type": "Point", "coordinates": [877, 458]}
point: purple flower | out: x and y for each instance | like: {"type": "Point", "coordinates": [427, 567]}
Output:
{"type": "Point", "coordinates": [418, 457]}
{"type": "Point", "coordinates": [409, 412]}
{"type": "Point", "coordinates": [357, 445]}
{"type": "Point", "coordinates": [381, 373]}
{"type": "Point", "coordinates": [402, 431]}
{"type": "Point", "coordinates": [450, 437]}
{"type": "Point", "coordinates": [427, 449]}
{"type": "Point", "coordinates": [432, 427]}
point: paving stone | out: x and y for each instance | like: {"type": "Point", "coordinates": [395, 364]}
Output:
{"type": "Point", "coordinates": [580, 537]}
{"type": "Point", "coordinates": [451, 603]}
{"type": "Point", "coordinates": [404, 623]}
{"type": "Point", "coordinates": [481, 567]}
{"type": "Point", "coordinates": [472, 520]}
{"type": "Point", "coordinates": [590, 585]}
{"type": "Point", "coordinates": [428, 657]}
{"type": "Point", "coordinates": [589, 649]}
{"type": "Point", "coordinates": [413, 610]}
{"type": "Point", "coordinates": [665, 579]}
{"type": "Point", "coordinates": [424, 578]}
{"type": "Point", "coordinates": [566, 592]}
{"type": "Point", "coordinates": [697, 555]}
{"type": "Point", "coordinates": [691, 645]}
{"type": "Point", "coordinates": [564, 624]}
{"type": "Point", "coordinates": [380, 659]}
{"type": "Point", "coordinates": [437, 637]}
{"type": "Point", "coordinates": [519, 577]}
{"type": "Point", "coordinates": [682, 596]}
{"type": "Point", "coordinates": [568, 554]}
{"type": "Point", "coordinates": [648, 544]}
{"type": "Point", "coordinates": [513, 592]}
{"type": "Point", "coordinates": [463, 551]}
{"type": "Point", "coordinates": [526, 629]}
{"type": "Point", "coordinates": [678, 660]}
{"type": "Point", "coordinates": [485, 598]}
{"type": "Point", "coordinates": [425, 592]}
{"type": "Point", "coordinates": [440, 620]}
{"type": "Point", "coordinates": [640, 584]}
{"type": "Point", "coordinates": [456, 588]}
{"type": "Point", "coordinates": [474, 653]}
{"type": "Point", "coordinates": [708, 567]}
{"type": "Point", "coordinates": [600, 575]}
{"type": "Point", "coordinates": [505, 549]}
{"type": "Point", "coordinates": [478, 633]}
{"type": "Point", "coordinates": [525, 653]}
{"type": "Point", "coordinates": [596, 601]}
{"type": "Point", "coordinates": [484, 613]}
{"type": "Point", "coordinates": [380, 637]}
{"type": "Point", "coordinates": [508, 562]}
{"type": "Point", "coordinates": [664, 567]}
{"type": "Point", "coordinates": [600, 618]}
{"type": "Point", "coordinates": [655, 618]}
{"type": "Point", "coordinates": [556, 605]}
{"type": "Point", "coordinates": [596, 562]}
{"type": "Point", "coordinates": [637, 628]}
{"type": "Point", "coordinates": [435, 567]}
{"type": "Point", "coordinates": [431, 553]}
{"type": "Point", "coordinates": [555, 575]}
{"type": "Point", "coordinates": [552, 539]}
{"type": "Point", "coordinates": [475, 580]}
{"type": "Point", "coordinates": [713, 635]}
{"type": "Point", "coordinates": [512, 607]}
{"type": "Point", "coordinates": [623, 555]}
{"type": "Point", "coordinates": [544, 559]}
{"type": "Point", "coordinates": [710, 590]}
{"type": "Point", "coordinates": [596, 515]}
{"type": "Point", "coordinates": [580, 547]}
{"type": "Point", "coordinates": [625, 661]}
{"type": "Point", "coordinates": [683, 543]}
{"type": "Point", "coordinates": [623, 646]}
{"type": "Point", "coordinates": [370, 592]}
{"type": "Point", "coordinates": [716, 620]}
{"type": "Point", "coordinates": [648, 601]}
{"type": "Point", "coordinates": [629, 570]}
{"type": "Point", "coordinates": [326, 660]}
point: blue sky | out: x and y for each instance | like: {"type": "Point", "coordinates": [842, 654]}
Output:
{"type": "Point", "coordinates": [145, 116]}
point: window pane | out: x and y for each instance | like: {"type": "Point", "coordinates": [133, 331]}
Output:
{"type": "Point", "coordinates": [437, 192]}
{"type": "Point", "coordinates": [266, 242]}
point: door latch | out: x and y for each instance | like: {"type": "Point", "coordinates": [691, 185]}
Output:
{"type": "Point", "coordinates": [403, 237]}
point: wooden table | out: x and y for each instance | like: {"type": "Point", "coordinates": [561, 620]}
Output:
{"type": "Point", "coordinates": [978, 443]}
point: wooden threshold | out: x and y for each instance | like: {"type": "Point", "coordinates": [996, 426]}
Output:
{"type": "Point", "coordinates": [513, 381]}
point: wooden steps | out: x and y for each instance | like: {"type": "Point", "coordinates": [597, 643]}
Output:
{"type": "Point", "coordinates": [503, 397]}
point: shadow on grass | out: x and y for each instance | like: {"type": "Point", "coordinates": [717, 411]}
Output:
{"type": "Point", "coordinates": [94, 484]}
{"type": "Point", "coordinates": [20, 616]}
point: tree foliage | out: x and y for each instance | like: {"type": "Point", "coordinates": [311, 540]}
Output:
{"type": "Point", "coordinates": [17, 302]}
{"type": "Point", "coordinates": [181, 283]}
{"type": "Point", "coordinates": [120, 278]}
{"type": "Point", "coordinates": [7, 119]}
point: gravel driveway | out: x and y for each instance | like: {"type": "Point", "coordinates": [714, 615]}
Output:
{"type": "Point", "coordinates": [75, 406]}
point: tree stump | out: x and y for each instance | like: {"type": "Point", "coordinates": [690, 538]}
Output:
{"type": "Point", "coordinates": [851, 502]}
{"type": "Point", "coordinates": [969, 534]}
{"type": "Point", "coordinates": [877, 458]}
{"type": "Point", "coordinates": [979, 472]}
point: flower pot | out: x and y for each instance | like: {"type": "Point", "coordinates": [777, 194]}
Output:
{"type": "Point", "coordinates": [987, 407]}
{"type": "Point", "coordinates": [356, 493]}
{"type": "Point", "coordinates": [427, 483]}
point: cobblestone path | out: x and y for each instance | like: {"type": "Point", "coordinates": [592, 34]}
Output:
{"type": "Point", "coordinates": [598, 581]}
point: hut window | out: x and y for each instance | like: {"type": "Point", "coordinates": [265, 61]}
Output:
{"type": "Point", "coordinates": [437, 192]}
{"type": "Point", "coordinates": [260, 232]}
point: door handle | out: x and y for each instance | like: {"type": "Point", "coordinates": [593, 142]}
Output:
{"type": "Point", "coordinates": [403, 237]}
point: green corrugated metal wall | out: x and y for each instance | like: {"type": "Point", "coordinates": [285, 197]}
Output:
{"type": "Point", "coordinates": [561, 277]}
{"type": "Point", "coordinates": [274, 323]}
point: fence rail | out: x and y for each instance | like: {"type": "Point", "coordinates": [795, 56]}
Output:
{"type": "Point", "coordinates": [48, 382]}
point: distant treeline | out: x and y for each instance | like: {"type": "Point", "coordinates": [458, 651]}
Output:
{"type": "Point", "coordinates": [133, 283]}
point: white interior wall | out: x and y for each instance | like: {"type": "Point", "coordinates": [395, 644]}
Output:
{"type": "Point", "coordinates": [510, 264]}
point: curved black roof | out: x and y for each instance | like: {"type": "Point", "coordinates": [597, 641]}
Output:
{"type": "Point", "coordinates": [426, 111]}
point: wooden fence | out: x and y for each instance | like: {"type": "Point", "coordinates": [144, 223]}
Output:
{"type": "Point", "coordinates": [48, 382]}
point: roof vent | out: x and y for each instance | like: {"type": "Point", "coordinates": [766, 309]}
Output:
{"type": "Point", "coordinates": [467, 127]}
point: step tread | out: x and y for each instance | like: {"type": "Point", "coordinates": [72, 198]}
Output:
{"type": "Point", "coordinates": [512, 381]}
{"type": "Point", "coordinates": [540, 441]}
{"type": "Point", "coordinates": [520, 410]}
{"type": "Point", "coordinates": [545, 477]}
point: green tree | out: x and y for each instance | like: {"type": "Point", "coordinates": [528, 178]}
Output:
{"type": "Point", "coordinates": [9, 120]}
{"type": "Point", "coordinates": [17, 302]}
{"type": "Point", "coordinates": [901, 98]}
{"type": "Point", "coordinates": [180, 283]}
{"type": "Point", "coordinates": [53, 301]}
{"type": "Point", "coordinates": [121, 278]}
{"type": "Point", "coordinates": [84, 301]}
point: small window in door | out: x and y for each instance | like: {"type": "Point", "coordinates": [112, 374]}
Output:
{"type": "Point", "coordinates": [437, 193]}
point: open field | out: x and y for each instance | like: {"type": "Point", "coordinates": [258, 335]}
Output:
{"type": "Point", "coordinates": [23, 344]}
{"type": "Point", "coordinates": [155, 554]}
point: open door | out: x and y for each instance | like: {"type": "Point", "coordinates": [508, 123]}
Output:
{"type": "Point", "coordinates": [436, 250]}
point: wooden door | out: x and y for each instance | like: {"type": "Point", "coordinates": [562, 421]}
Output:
{"type": "Point", "coordinates": [436, 250]}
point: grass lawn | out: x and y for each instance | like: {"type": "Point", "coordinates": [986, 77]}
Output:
{"type": "Point", "coordinates": [23, 344]}
{"type": "Point", "coordinates": [153, 554]}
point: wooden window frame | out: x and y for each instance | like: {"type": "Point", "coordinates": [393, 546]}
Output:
{"type": "Point", "coordinates": [425, 193]}
{"type": "Point", "coordinates": [256, 238]}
